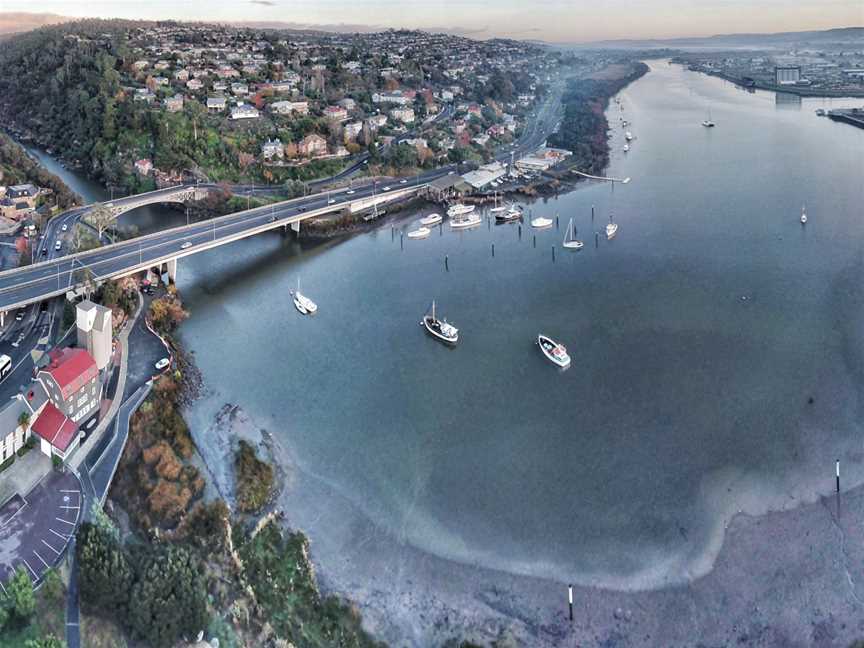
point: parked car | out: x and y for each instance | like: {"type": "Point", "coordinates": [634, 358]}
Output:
{"type": "Point", "coordinates": [350, 192]}
{"type": "Point", "coordinates": [186, 244]}
{"type": "Point", "coordinates": [403, 181]}
{"type": "Point", "coordinates": [65, 227]}
{"type": "Point", "coordinates": [164, 362]}
{"type": "Point", "coordinates": [58, 245]}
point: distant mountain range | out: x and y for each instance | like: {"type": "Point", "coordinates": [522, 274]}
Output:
{"type": "Point", "coordinates": [12, 22]}
{"type": "Point", "coordinates": [851, 35]}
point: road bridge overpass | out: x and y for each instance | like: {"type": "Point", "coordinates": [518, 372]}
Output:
{"type": "Point", "coordinates": [20, 287]}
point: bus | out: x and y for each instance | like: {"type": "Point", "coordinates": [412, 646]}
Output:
{"type": "Point", "coordinates": [5, 366]}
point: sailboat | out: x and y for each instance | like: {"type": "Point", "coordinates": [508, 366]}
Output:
{"type": "Point", "coordinates": [499, 207]}
{"type": "Point", "coordinates": [611, 229]}
{"type": "Point", "coordinates": [302, 303]}
{"type": "Point", "coordinates": [438, 328]}
{"type": "Point", "coordinates": [803, 215]}
{"type": "Point", "coordinates": [513, 212]}
{"type": "Point", "coordinates": [707, 123]}
{"type": "Point", "coordinates": [570, 241]}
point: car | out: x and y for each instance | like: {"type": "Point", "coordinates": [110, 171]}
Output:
{"type": "Point", "coordinates": [301, 208]}
{"type": "Point", "coordinates": [65, 227]}
{"type": "Point", "coordinates": [164, 362]}
{"type": "Point", "coordinates": [386, 189]}
{"type": "Point", "coordinates": [272, 219]}
{"type": "Point", "coordinates": [450, 172]}
{"type": "Point", "coordinates": [350, 192]}
{"type": "Point", "coordinates": [331, 201]}
{"type": "Point", "coordinates": [186, 244]}
{"type": "Point", "coordinates": [58, 245]}
{"type": "Point", "coordinates": [403, 181]}
{"type": "Point", "coordinates": [19, 315]}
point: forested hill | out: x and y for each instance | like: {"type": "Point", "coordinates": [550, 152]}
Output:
{"type": "Point", "coordinates": [61, 86]}
{"type": "Point", "coordinates": [17, 167]}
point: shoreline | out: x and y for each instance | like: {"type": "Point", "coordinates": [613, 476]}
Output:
{"type": "Point", "coordinates": [804, 93]}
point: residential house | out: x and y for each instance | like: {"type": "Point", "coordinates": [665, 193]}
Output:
{"type": "Point", "coordinates": [312, 145]}
{"type": "Point", "coordinates": [377, 121]}
{"type": "Point", "coordinates": [239, 89]}
{"type": "Point", "coordinates": [244, 111]}
{"type": "Point", "coordinates": [395, 97]}
{"type": "Point", "coordinates": [405, 115]}
{"type": "Point", "coordinates": [289, 107]}
{"type": "Point", "coordinates": [352, 130]}
{"type": "Point", "coordinates": [173, 104]}
{"type": "Point", "coordinates": [58, 434]}
{"type": "Point", "coordinates": [272, 149]}
{"type": "Point", "coordinates": [347, 103]}
{"type": "Point", "coordinates": [143, 94]}
{"type": "Point", "coordinates": [335, 113]}
{"type": "Point", "coordinates": [194, 84]}
{"type": "Point", "coordinates": [181, 75]}
{"type": "Point", "coordinates": [143, 167]}
{"type": "Point", "coordinates": [23, 193]}
{"type": "Point", "coordinates": [216, 104]}
{"type": "Point", "coordinates": [13, 435]}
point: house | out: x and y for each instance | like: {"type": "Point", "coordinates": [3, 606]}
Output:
{"type": "Point", "coordinates": [23, 193]}
{"type": "Point", "coordinates": [173, 104]}
{"type": "Point", "coordinates": [216, 104]}
{"type": "Point", "coordinates": [239, 89]}
{"type": "Point", "coordinates": [347, 103]}
{"type": "Point", "coordinates": [312, 146]}
{"type": "Point", "coordinates": [281, 87]}
{"type": "Point", "coordinates": [71, 380]}
{"type": "Point", "coordinates": [272, 149]}
{"type": "Point", "coordinates": [405, 115]}
{"type": "Point", "coordinates": [475, 111]}
{"type": "Point", "coordinates": [181, 75]}
{"type": "Point", "coordinates": [395, 97]}
{"type": "Point", "coordinates": [352, 130]}
{"type": "Point", "coordinates": [289, 107]}
{"type": "Point", "coordinates": [481, 139]}
{"type": "Point", "coordinates": [58, 434]}
{"type": "Point", "coordinates": [336, 113]}
{"type": "Point", "coordinates": [160, 81]}
{"type": "Point", "coordinates": [140, 65]}
{"type": "Point", "coordinates": [143, 167]}
{"type": "Point", "coordinates": [143, 94]}
{"type": "Point", "coordinates": [94, 324]}
{"type": "Point", "coordinates": [377, 121]}
{"type": "Point", "coordinates": [244, 111]}
{"type": "Point", "coordinates": [13, 435]}
{"type": "Point", "coordinates": [194, 84]}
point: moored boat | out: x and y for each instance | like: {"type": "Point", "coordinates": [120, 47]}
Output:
{"type": "Point", "coordinates": [513, 212]}
{"type": "Point", "coordinates": [439, 329]}
{"type": "Point", "coordinates": [431, 219]}
{"type": "Point", "coordinates": [570, 240]}
{"type": "Point", "coordinates": [460, 209]}
{"type": "Point", "coordinates": [541, 222]}
{"type": "Point", "coordinates": [626, 148]}
{"type": "Point", "coordinates": [471, 220]}
{"type": "Point", "coordinates": [628, 136]}
{"type": "Point", "coordinates": [803, 215]}
{"type": "Point", "coordinates": [302, 303]}
{"type": "Point", "coordinates": [554, 351]}
{"type": "Point", "coordinates": [419, 233]}
{"type": "Point", "coordinates": [611, 228]}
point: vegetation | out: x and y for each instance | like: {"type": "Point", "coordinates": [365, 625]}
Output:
{"type": "Point", "coordinates": [254, 479]}
{"type": "Point", "coordinates": [583, 129]}
{"type": "Point", "coordinates": [166, 313]}
{"type": "Point", "coordinates": [17, 167]}
{"type": "Point", "coordinates": [31, 619]}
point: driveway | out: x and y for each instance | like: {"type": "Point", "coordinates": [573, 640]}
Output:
{"type": "Point", "coordinates": [36, 528]}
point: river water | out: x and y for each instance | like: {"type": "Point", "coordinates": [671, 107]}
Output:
{"type": "Point", "coordinates": [717, 345]}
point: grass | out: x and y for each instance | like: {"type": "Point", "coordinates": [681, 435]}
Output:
{"type": "Point", "coordinates": [97, 632]}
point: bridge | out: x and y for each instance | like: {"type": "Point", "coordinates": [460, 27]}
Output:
{"type": "Point", "coordinates": [180, 194]}
{"type": "Point", "coordinates": [21, 287]}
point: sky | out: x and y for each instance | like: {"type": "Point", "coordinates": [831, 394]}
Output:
{"type": "Point", "coordinates": [550, 20]}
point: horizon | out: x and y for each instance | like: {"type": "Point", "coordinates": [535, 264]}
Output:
{"type": "Point", "coordinates": [561, 22]}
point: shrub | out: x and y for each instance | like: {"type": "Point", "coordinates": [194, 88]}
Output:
{"type": "Point", "coordinates": [254, 479]}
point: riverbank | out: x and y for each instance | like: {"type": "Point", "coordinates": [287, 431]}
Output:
{"type": "Point", "coordinates": [754, 84]}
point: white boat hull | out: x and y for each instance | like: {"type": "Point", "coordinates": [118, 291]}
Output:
{"type": "Point", "coordinates": [465, 223]}
{"type": "Point", "coordinates": [304, 305]}
{"type": "Point", "coordinates": [420, 233]}
{"type": "Point", "coordinates": [573, 245]}
{"type": "Point", "coordinates": [611, 230]}
{"type": "Point", "coordinates": [431, 219]}
{"type": "Point", "coordinates": [541, 223]}
{"type": "Point", "coordinates": [556, 353]}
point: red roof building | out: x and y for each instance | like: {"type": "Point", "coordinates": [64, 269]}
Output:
{"type": "Point", "coordinates": [71, 380]}
{"type": "Point", "coordinates": [57, 429]}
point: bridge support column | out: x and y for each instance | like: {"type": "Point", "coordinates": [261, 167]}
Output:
{"type": "Point", "coordinates": [295, 226]}
{"type": "Point", "coordinates": [2, 318]}
{"type": "Point", "coordinates": [171, 268]}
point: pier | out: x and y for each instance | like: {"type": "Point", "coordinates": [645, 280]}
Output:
{"type": "Point", "coordinates": [853, 116]}
{"type": "Point", "coordinates": [594, 177]}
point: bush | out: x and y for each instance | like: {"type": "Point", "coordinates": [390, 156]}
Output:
{"type": "Point", "coordinates": [8, 462]}
{"type": "Point", "coordinates": [254, 479]}
{"type": "Point", "coordinates": [104, 570]}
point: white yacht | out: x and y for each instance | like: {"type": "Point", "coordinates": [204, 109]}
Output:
{"type": "Point", "coordinates": [302, 303]}
{"type": "Point", "coordinates": [460, 209]}
{"type": "Point", "coordinates": [554, 351]}
{"type": "Point", "coordinates": [570, 241]}
{"type": "Point", "coordinates": [803, 215]}
{"type": "Point", "coordinates": [431, 219]}
{"type": "Point", "coordinates": [471, 220]}
{"type": "Point", "coordinates": [419, 233]}
{"type": "Point", "coordinates": [628, 136]}
{"type": "Point", "coordinates": [611, 229]}
{"type": "Point", "coordinates": [499, 207]}
{"type": "Point", "coordinates": [541, 222]}
{"type": "Point", "coordinates": [438, 328]}
{"type": "Point", "coordinates": [513, 212]}
{"type": "Point", "coordinates": [626, 148]}
{"type": "Point", "coordinates": [707, 123]}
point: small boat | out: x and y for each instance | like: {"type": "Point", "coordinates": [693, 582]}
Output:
{"type": "Point", "coordinates": [419, 233]}
{"type": "Point", "coordinates": [554, 351]}
{"type": "Point", "coordinates": [498, 208]}
{"type": "Point", "coordinates": [431, 219]}
{"type": "Point", "coordinates": [541, 222]}
{"type": "Point", "coordinates": [463, 223]}
{"type": "Point", "coordinates": [803, 215]}
{"type": "Point", "coordinates": [628, 136]}
{"type": "Point", "coordinates": [513, 212]}
{"type": "Point", "coordinates": [302, 303]}
{"type": "Point", "coordinates": [820, 112]}
{"type": "Point", "coordinates": [570, 241]}
{"type": "Point", "coordinates": [611, 229]}
{"type": "Point", "coordinates": [707, 123]}
{"type": "Point", "coordinates": [460, 209]}
{"type": "Point", "coordinates": [624, 123]}
{"type": "Point", "coordinates": [626, 148]}
{"type": "Point", "coordinates": [438, 328]}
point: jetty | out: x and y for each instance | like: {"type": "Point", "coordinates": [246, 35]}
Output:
{"type": "Point", "coordinates": [594, 177]}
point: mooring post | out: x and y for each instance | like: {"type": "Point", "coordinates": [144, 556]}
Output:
{"type": "Point", "coordinates": [493, 250]}
{"type": "Point", "coordinates": [570, 600]}
{"type": "Point", "coordinates": [837, 473]}
{"type": "Point", "coordinates": [553, 254]}
{"type": "Point", "coordinates": [446, 263]}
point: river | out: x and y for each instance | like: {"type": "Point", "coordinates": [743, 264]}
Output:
{"type": "Point", "coordinates": [717, 345]}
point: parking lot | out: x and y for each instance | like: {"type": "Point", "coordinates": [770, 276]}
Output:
{"type": "Point", "coordinates": [35, 528]}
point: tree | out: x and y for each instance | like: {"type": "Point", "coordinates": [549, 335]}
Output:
{"type": "Point", "coordinates": [170, 597]}
{"type": "Point", "coordinates": [24, 420]}
{"type": "Point", "coordinates": [48, 641]}
{"type": "Point", "coordinates": [84, 276]}
{"type": "Point", "coordinates": [101, 218]}
{"type": "Point", "coordinates": [20, 601]}
{"type": "Point", "coordinates": [104, 570]}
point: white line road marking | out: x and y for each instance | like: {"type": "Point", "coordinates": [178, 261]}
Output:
{"type": "Point", "coordinates": [60, 535]}
{"type": "Point", "coordinates": [70, 508]}
{"type": "Point", "coordinates": [3, 588]}
{"type": "Point", "coordinates": [62, 490]}
{"type": "Point", "coordinates": [41, 558]}
{"type": "Point", "coordinates": [51, 548]}
{"type": "Point", "coordinates": [66, 521]}
{"type": "Point", "coordinates": [30, 568]}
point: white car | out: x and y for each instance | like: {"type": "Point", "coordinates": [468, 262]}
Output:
{"type": "Point", "coordinates": [350, 192]}
{"type": "Point", "coordinates": [403, 181]}
{"type": "Point", "coordinates": [65, 227]}
{"type": "Point", "coordinates": [58, 245]}
{"type": "Point", "coordinates": [386, 189]}
{"type": "Point", "coordinates": [331, 201]}
{"type": "Point", "coordinates": [185, 245]}
{"type": "Point", "coordinates": [164, 362]}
